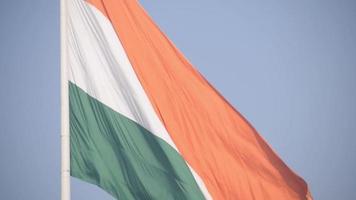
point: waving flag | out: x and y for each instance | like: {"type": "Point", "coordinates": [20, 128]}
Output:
{"type": "Point", "coordinates": [144, 124]}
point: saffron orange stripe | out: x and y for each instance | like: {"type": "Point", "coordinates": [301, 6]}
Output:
{"type": "Point", "coordinates": [221, 146]}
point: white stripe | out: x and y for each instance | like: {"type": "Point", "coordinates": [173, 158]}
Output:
{"type": "Point", "coordinates": [99, 65]}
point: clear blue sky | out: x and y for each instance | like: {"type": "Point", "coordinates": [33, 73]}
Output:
{"type": "Point", "coordinates": [288, 66]}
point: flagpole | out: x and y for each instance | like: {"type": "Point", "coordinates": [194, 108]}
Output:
{"type": "Point", "coordinates": [65, 140]}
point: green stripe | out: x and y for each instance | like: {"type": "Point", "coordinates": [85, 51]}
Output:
{"type": "Point", "coordinates": [123, 158]}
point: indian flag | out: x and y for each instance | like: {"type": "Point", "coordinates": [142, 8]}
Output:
{"type": "Point", "coordinates": [144, 124]}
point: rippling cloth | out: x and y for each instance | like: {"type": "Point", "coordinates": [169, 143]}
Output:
{"type": "Point", "coordinates": [144, 124]}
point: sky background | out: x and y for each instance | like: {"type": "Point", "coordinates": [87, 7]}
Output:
{"type": "Point", "coordinates": [288, 66]}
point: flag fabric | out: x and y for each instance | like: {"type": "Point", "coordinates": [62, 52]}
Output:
{"type": "Point", "coordinates": [144, 124]}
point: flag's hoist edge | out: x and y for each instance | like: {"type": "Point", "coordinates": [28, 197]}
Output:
{"type": "Point", "coordinates": [99, 67]}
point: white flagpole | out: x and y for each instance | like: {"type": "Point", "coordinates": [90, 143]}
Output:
{"type": "Point", "coordinates": [65, 140]}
